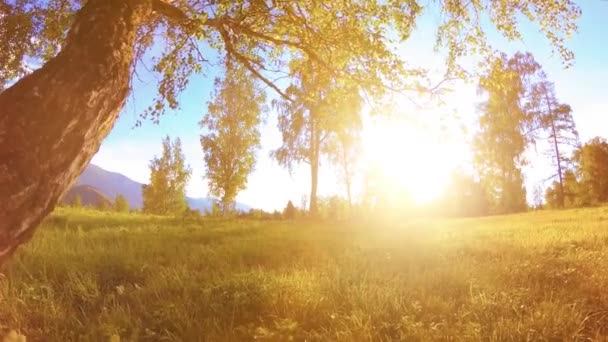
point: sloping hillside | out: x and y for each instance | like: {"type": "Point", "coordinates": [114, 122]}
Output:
{"type": "Point", "coordinates": [111, 184]}
{"type": "Point", "coordinates": [90, 196]}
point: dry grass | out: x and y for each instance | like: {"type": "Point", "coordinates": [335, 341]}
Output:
{"type": "Point", "coordinates": [88, 275]}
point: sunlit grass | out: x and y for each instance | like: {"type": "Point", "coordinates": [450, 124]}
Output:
{"type": "Point", "coordinates": [89, 275]}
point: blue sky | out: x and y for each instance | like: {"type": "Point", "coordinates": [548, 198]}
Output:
{"type": "Point", "coordinates": [128, 150]}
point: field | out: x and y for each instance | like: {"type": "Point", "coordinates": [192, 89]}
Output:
{"type": "Point", "coordinates": [98, 276]}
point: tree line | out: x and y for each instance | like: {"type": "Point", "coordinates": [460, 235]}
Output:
{"type": "Point", "coordinates": [90, 51]}
{"type": "Point", "coordinates": [322, 121]}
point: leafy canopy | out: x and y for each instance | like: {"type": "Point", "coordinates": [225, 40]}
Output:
{"type": "Point", "coordinates": [232, 134]}
{"type": "Point", "coordinates": [169, 175]}
{"type": "Point", "coordinates": [357, 38]}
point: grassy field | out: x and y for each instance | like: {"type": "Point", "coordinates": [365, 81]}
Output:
{"type": "Point", "coordinates": [90, 275]}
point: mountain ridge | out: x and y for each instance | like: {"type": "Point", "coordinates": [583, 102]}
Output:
{"type": "Point", "coordinates": [111, 184]}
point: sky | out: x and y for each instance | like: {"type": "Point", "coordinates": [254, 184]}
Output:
{"type": "Point", "coordinates": [128, 150]}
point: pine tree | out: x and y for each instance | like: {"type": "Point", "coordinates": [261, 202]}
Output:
{"type": "Point", "coordinates": [290, 211]}
{"type": "Point", "coordinates": [555, 120]}
{"type": "Point", "coordinates": [169, 175]}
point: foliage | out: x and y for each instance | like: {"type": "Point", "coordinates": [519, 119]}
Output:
{"type": "Point", "coordinates": [592, 170]}
{"type": "Point", "coordinates": [120, 204]}
{"type": "Point", "coordinates": [554, 119]}
{"type": "Point", "coordinates": [346, 147]}
{"type": "Point", "coordinates": [541, 275]}
{"type": "Point", "coordinates": [232, 134]}
{"type": "Point", "coordinates": [263, 36]}
{"type": "Point", "coordinates": [77, 202]}
{"type": "Point", "coordinates": [321, 109]}
{"type": "Point", "coordinates": [169, 175]}
{"type": "Point", "coordinates": [501, 141]}
{"type": "Point", "coordinates": [104, 205]}
{"type": "Point", "coordinates": [573, 195]}
{"type": "Point", "coordinates": [464, 196]}
{"type": "Point", "coordinates": [290, 211]}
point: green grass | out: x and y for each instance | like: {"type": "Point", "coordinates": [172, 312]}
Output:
{"type": "Point", "coordinates": [88, 275]}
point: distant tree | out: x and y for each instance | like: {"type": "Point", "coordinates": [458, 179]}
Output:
{"type": "Point", "coordinates": [346, 152]}
{"type": "Point", "coordinates": [215, 209]}
{"type": "Point", "coordinates": [103, 205]}
{"type": "Point", "coordinates": [166, 193]}
{"type": "Point", "coordinates": [77, 202]}
{"type": "Point", "coordinates": [304, 204]}
{"type": "Point", "coordinates": [537, 194]}
{"type": "Point", "coordinates": [592, 168]}
{"type": "Point", "coordinates": [120, 204]}
{"type": "Point", "coordinates": [290, 211]}
{"type": "Point", "coordinates": [464, 196]}
{"type": "Point", "coordinates": [338, 208]}
{"type": "Point", "coordinates": [502, 140]}
{"type": "Point", "coordinates": [319, 108]}
{"type": "Point", "coordinates": [556, 120]}
{"type": "Point", "coordinates": [232, 134]}
{"type": "Point", "coordinates": [567, 194]}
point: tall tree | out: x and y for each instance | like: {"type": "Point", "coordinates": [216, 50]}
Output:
{"type": "Point", "coordinates": [346, 152]}
{"type": "Point", "coordinates": [592, 168]}
{"type": "Point", "coordinates": [555, 119]}
{"type": "Point", "coordinates": [63, 110]}
{"type": "Point", "coordinates": [169, 175]}
{"type": "Point", "coordinates": [502, 140]}
{"type": "Point", "coordinates": [233, 136]}
{"type": "Point", "coordinates": [321, 107]}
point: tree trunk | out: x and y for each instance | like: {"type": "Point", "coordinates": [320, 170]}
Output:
{"type": "Point", "coordinates": [560, 192]}
{"type": "Point", "coordinates": [52, 122]}
{"type": "Point", "coordinates": [347, 180]}
{"type": "Point", "coordinates": [314, 169]}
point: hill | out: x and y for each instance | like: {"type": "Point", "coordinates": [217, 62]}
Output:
{"type": "Point", "coordinates": [89, 196]}
{"type": "Point", "coordinates": [112, 184]}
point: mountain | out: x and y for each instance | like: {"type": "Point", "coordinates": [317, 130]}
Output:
{"type": "Point", "coordinates": [111, 184]}
{"type": "Point", "coordinates": [89, 196]}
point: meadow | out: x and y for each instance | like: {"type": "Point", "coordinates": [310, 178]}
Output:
{"type": "Point", "coordinates": [99, 276]}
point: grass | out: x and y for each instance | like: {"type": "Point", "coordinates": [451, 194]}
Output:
{"type": "Point", "coordinates": [88, 275]}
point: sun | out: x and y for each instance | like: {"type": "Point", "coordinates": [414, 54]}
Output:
{"type": "Point", "coordinates": [410, 158]}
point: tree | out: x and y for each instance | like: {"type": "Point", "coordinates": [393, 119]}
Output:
{"type": "Point", "coordinates": [169, 175]}
{"type": "Point", "coordinates": [233, 136]}
{"type": "Point", "coordinates": [592, 168]}
{"type": "Point", "coordinates": [321, 107]}
{"type": "Point", "coordinates": [103, 205]}
{"type": "Point", "coordinates": [85, 84]}
{"type": "Point", "coordinates": [290, 211]}
{"type": "Point", "coordinates": [501, 141]}
{"type": "Point", "coordinates": [346, 152]}
{"type": "Point", "coordinates": [120, 204]}
{"type": "Point", "coordinates": [464, 196]}
{"type": "Point", "coordinates": [567, 194]}
{"type": "Point", "coordinates": [77, 202]}
{"type": "Point", "coordinates": [556, 119]}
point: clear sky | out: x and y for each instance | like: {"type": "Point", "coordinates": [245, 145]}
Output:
{"type": "Point", "coordinates": [128, 150]}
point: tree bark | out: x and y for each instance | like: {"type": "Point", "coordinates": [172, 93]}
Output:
{"type": "Point", "coordinates": [560, 192]}
{"type": "Point", "coordinates": [52, 121]}
{"type": "Point", "coordinates": [314, 167]}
